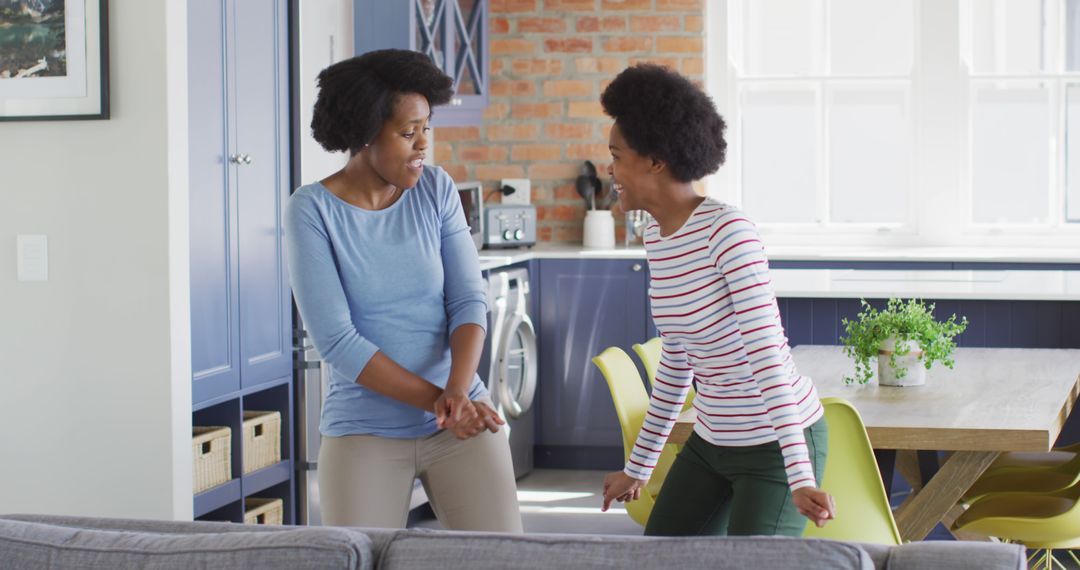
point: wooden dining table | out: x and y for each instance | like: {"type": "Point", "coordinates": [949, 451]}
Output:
{"type": "Point", "coordinates": [994, 400]}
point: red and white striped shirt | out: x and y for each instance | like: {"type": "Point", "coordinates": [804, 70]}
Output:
{"type": "Point", "coordinates": [714, 305]}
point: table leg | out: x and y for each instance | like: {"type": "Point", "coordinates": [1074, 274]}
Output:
{"type": "Point", "coordinates": [918, 516]}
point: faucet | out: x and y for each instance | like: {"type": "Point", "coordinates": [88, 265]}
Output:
{"type": "Point", "coordinates": [636, 222]}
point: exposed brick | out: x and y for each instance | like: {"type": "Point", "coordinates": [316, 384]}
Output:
{"type": "Point", "coordinates": [482, 153]}
{"type": "Point", "coordinates": [568, 233]}
{"type": "Point", "coordinates": [457, 134]}
{"type": "Point", "coordinates": [499, 26]}
{"type": "Point", "coordinates": [531, 152]}
{"type": "Point", "coordinates": [544, 233]}
{"type": "Point", "coordinates": [605, 131]}
{"type": "Point", "coordinates": [625, 4]}
{"type": "Point", "coordinates": [587, 151]}
{"type": "Point", "coordinates": [671, 63]}
{"type": "Point", "coordinates": [527, 66]}
{"type": "Point", "coordinates": [516, 88]}
{"type": "Point", "coordinates": [498, 132]}
{"type": "Point", "coordinates": [535, 110]}
{"type": "Point", "coordinates": [694, 24]}
{"type": "Point", "coordinates": [496, 111]}
{"type": "Point", "coordinates": [456, 171]}
{"type": "Point", "coordinates": [585, 109]}
{"type": "Point", "coordinates": [613, 23]}
{"type": "Point", "coordinates": [553, 171]}
{"type": "Point", "coordinates": [499, 171]}
{"type": "Point", "coordinates": [588, 24]}
{"type": "Point", "coordinates": [497, 66]}
{"type": "Point", "coordinates": [679, 6]}
{"type": "Point", "coordinates": [628, 43]}
{"type": "Point", "coordinates": [444, 152]}
{"type": "Point", "coordinates": [649, 24]}
{"type": "Point", "coordinates": [500, 46]}
{"type": "Point", "coordinates": [568, 45]}
{"type": "Point", "coordinates": [543, 213]}
{"type": "Point", "coordinates": [570, 131]}
{"type": "Point", "coordinates": [693, 65]}
{"type": "Point", "coordinates": [541, 25]}
{"type": "Point", "coordinates": [512, 6]}
{"type": "Point", "coordinates": [679, 44]}
{"type": "Point", "coordinates": [567, 192]}
{"type": "Point", "coordinates": [606, 65]}
{"type": "Point", "coordinates": [568, 88]}
{"type": "Point", "coordinates": [569, 6]}
{"type": "Point", "coordinates": [568, 213]}
{"type": "Point", "coordinates": [541, 193]}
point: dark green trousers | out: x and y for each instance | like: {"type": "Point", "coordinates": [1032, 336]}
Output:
{"type": "Point", "coordinates": [714, 490]}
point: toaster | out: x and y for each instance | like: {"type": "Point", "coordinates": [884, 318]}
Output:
{"type": "Point", "coordinates": [509, 226]}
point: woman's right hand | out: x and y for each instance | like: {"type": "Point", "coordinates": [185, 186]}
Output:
{"type": "Point", "coordinates": [619, 486]}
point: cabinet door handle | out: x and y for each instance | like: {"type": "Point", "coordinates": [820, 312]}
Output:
{"type": "Point", "coordinates": [455, 102]}
{"type": "Point", "coordinates": [636, 267]}
{"type": "Point", "coordinates": [247, 159]}
{"type": "Point", "coordinates": [240, 158]}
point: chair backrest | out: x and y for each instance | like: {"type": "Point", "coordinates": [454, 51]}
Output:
{"type": "Point", "coordinates": [649, 353]}
{"type": "Point", "coordinates": [627, 392]}
{"type": "Point", "coordinates": [851, 476]}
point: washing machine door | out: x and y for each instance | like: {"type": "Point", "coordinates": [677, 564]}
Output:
{"type": "Point", "coordinates": [515, 366]}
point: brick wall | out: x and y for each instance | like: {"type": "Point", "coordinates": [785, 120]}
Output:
{"type": "Point", "coordinates": [550, 61]}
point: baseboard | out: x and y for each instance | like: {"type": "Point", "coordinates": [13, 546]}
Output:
{"type": "Point", "coordinates": [578, 457]}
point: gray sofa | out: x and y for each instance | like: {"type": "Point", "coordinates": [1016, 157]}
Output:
{"type": "Point", "coordinates": [60, 543]}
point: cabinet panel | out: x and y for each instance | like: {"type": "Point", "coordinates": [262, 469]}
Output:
{"type": "Point", "coordinates": [215, 352]}
{"type": "Point", "coordinates": [585, 307]}
{"type": "Point", "coordinates": [261, 187]}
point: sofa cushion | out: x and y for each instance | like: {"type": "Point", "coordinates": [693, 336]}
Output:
{"type": "Point", "coordinates": [33, 545]}
{"type": "Point", "coordinates": [477, 551]}
{"type": "Point", "coordinates": [946, 555]}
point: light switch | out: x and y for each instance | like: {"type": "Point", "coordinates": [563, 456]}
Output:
{"type": "Point", "coordinates": [33, 257]}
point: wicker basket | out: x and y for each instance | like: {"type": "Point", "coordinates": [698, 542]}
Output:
{"type": "Point", "coordinates": [211, 456]}
{"type": "Point", "coordinates": [263, 511]}
{"type": "Point", "coordinates": [262, 440]}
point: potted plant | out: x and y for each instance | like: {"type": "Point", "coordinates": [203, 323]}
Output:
{"type": "Point", "coordinates": [905, 332]}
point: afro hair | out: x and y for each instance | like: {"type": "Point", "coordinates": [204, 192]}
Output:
{"type": "Point", "coordinates": [664, 116]}
{"type": "Point", "coordinates": [357, 95]}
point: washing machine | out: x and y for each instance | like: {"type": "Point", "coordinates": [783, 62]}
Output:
{"type": "Point", "coordinates": [511, 361]}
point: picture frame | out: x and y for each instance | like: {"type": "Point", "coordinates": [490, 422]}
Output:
{"type": "Point", "coordinates": [54, 60]}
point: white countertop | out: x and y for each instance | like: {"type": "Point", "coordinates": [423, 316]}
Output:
{"type": "Point", "coordinates": [1012, 284]}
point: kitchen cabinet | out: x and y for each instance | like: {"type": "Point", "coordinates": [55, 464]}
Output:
{"type": "Point", "coordinates": [454, 33]}
{"type": "Point", "coordinates": [241, 319]}
{"type": "Point", "coordinates": [585, 307]}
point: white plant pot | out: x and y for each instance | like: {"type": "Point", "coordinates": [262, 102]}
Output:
{"type": "Point", "coordinates": [599, 229]}
{"type": "Point", "coordinates": [915, 374]}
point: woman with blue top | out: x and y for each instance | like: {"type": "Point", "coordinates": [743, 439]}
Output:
{"type": "Point", "coordinates": [388, 283]}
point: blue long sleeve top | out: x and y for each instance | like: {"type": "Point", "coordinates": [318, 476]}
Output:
{"type": "Point", "coordinates": [397, 280]}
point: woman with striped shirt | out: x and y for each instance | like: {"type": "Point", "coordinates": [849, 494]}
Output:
{"type": "Point", "coordinates": [758, 449]}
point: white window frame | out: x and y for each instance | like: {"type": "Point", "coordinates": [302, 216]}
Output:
{"type": "Point", "coordinates": [942, 89]}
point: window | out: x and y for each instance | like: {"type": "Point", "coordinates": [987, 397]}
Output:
{"type": "Point", "coordinates": [943, 122]}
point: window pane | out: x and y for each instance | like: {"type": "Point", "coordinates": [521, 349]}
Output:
{"type": "Point", "coordinates": [869, 168]}
{"type": "Point", "coordinates": [872, 37]}
{"type": "Point", "coordinates": [1072, 152]}
{"type": "Point", "coordinates": [1010, 143]}
{"type": "Point", "coordinates": [781, 37]}
{"type": "Point", "coordinates": [780, 153]}
{"type": "Point", "coordinates": [1012, 36]}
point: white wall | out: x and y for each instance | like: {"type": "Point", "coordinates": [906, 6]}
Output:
{"type": "Point", "coordinates": [326, 37]}
{"type": "Point", "coordinates": [95, 392]}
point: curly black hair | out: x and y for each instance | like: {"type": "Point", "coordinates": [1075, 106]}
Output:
{"type": "Point", "coordinates": [664, 116]}
{"type": "Point", "coordinates": [357, 95]}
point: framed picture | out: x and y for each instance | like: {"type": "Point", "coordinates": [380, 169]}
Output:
{"type": "Point", "coordinates": [54, 60]}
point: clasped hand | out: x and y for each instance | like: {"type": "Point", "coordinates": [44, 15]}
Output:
{"type": "Point", "coordinates": [466, 418]}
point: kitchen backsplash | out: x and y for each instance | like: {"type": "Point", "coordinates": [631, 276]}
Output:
{"type": "Point", "coordinates": [550, 60]}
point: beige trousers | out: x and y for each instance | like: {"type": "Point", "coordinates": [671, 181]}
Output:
{"type": "Point", "coordinates": [367, 480]}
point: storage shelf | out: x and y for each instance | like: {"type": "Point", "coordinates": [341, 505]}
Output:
{"type": "Point", "coordinates": [268, 476]}
{"type": "Point", "coordinates": [217, 497]}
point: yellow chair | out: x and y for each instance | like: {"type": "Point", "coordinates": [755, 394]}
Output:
{"type": "Point", "coordinates": [631, 404]}
{"type": "Point", "coordinates": [1029, 478]}
{"type": "Point", "coordinates": [649, 354]}
{"type": "Point", "coordinates": [852, 478]}
{"type": "Point", "coordinates": [1041, 521]}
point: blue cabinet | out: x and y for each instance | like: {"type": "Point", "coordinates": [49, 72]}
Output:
{"type": "Point", "coordinates": [454, 33]}
{"type": "Point", "coordinates": [241, 319]}
{"type": "Point", "coordinates": [585, 307]}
